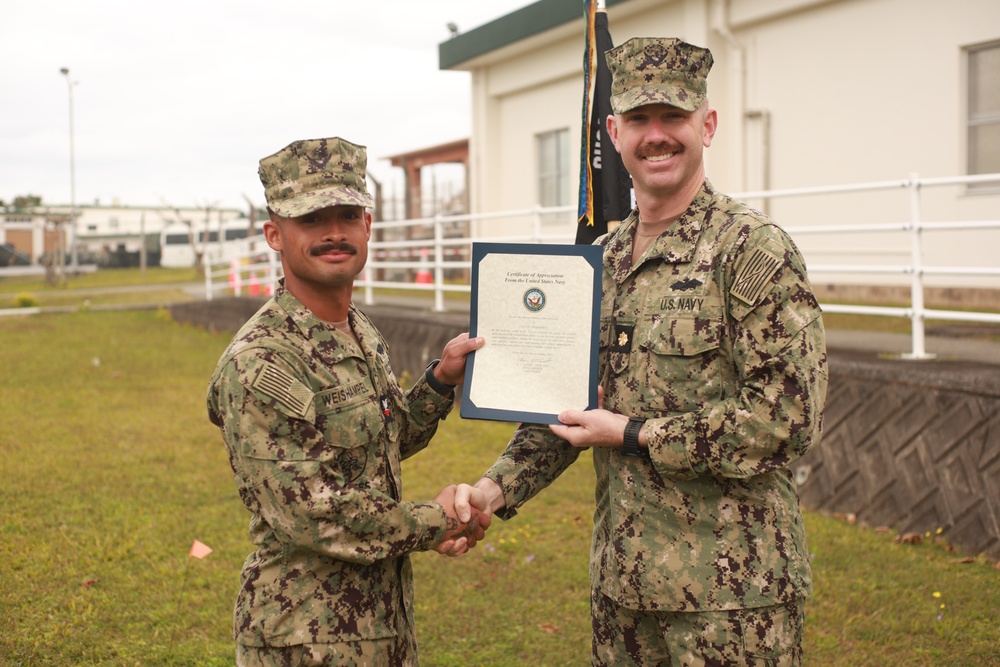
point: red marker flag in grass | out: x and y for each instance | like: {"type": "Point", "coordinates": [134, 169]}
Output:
{"type": "Point", "coordinates": [605, 184]}
{"type": "Point", "coordinates": [199, 550]}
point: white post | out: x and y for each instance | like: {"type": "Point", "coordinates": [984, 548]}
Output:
{"type": "Point", "coordinates": [438, 268]}
{"type": "Point", "coordinates": [74, 255]}
{"type": "Point", "coordinates": [917, 276]}
{"type": "Point", "coordinates": [369, 292]}
{"type": "Point", "coordinates": [208, 278]}
{"type": "Point", "coordinates": [272, 271]}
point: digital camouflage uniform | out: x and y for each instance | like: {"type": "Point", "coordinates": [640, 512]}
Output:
{"type": "Point", "coordinates": [316, 429]}
{"type": "Point", "coordinates": [715, 337]}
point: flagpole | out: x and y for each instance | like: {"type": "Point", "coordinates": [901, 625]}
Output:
{"type": "Point", "coordinates": [605, 185]}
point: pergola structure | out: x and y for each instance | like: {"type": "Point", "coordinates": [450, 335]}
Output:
{"type": "Point", "coordinates": [413, 161]}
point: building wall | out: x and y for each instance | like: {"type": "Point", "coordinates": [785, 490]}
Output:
{"type": "Point", "coordinates": [101, 228]}
{"type": "Point", "coordinates": [851, 91]}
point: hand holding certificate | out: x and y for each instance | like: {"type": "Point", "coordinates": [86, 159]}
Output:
{"type": "Point", "coordinates": [537, 306]}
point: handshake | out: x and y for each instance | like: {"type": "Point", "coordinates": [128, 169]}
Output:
{"type": "Point", "coordinates": [469, 512]}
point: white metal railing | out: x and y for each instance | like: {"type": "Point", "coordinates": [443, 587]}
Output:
{"type": "Point", "coordinates": [439, 261]}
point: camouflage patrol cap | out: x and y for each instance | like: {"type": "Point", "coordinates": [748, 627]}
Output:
{"type": "Point", "coordinates": [312, 174]}
{"type": "Point", "coordinates": [653, 70]}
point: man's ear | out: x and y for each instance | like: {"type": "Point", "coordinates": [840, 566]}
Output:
{"type": "Point", "coordinates": [613, 131]}
{"type": "Point", "coordinates": [272, 234]}
{"type": "Point", "coordinates": [711, 125]}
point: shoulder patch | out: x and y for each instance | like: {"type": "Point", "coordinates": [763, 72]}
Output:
{"type": "Point", "coordinates": [282, 387]}
{"type": "Point", "coordinates": [754, 276]}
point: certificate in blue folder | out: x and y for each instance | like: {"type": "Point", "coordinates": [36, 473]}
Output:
{"type": "Point", "coordinates": [538, 307]}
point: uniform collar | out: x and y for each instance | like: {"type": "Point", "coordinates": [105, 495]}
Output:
{"type": "Point", "coordinates": [675, 246]}
{"type": "Point", "coordinates": [319, 332]}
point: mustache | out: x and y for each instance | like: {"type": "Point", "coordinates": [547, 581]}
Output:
{"type": "Point", "coordinates": [333, 247]}
{"type": "Point", "coordinates": [657, 149]}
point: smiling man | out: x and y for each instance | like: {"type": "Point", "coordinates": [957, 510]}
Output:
{"type": "Point", "coordinates": [714, 376]}
{"type": "Point", "coordinates": [316, 426]}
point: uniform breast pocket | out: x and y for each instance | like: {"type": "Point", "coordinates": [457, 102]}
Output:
{"type": "Point", "coordinates": [682, 362]}
{"type": "Point", "coordinates": [351, 433]}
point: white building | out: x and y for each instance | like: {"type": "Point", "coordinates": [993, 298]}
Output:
{"type": "Point", "coordinates": [102, 230]}
{"type": "Point", "coordinates": [810, 93]}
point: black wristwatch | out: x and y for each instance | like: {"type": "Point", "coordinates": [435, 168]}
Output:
{"type": "Point", "coordinates": [437, 385]}
{"type": "Point", "coordinates": [630, 445]}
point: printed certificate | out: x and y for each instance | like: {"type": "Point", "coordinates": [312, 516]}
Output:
{"type": "Point", "coordinates": [538, 307]}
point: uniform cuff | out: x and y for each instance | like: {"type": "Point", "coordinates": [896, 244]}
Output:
{"type": "Point", "coordinates": [669, 441]}
{"type": "Point", "coordinates": [426, 404]}
{"type": "Point", "coordinates": [434, 522]}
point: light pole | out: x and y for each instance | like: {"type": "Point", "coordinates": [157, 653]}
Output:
{"type": "Point", "coordinates": [75, 260]}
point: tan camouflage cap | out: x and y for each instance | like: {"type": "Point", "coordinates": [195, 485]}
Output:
{"type": "Point", "coordinates": [312, 174]}
{"type": "Point", "coordinates": [653, 70]}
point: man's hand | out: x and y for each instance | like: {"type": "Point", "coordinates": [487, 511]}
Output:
{"type": "Point", "coordinates": [451, 370]}
{"type": "Point", "coordinates": [460, 534]}
{"type": "Point", "coordinates": [485, 496]}
{"type": "Point", "coordinates": [591, 428]}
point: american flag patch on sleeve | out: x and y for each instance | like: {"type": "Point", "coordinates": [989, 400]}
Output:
{"type": "Point", "coordinates": [282, 387]}
{"type": "Point", "coordinates": [755, 275]}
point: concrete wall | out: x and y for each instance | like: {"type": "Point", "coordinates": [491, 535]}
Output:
{"type": "Point", "coordinates": [914, 446]}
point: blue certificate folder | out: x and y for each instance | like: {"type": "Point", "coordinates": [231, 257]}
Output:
{"type": "Point", "coordinates": [539, 306]}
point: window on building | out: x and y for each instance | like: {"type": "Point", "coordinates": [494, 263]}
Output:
{"type": "Point", "coordinates": [984, 111]}
{"type": "Point", "coordinates": [553, 168]}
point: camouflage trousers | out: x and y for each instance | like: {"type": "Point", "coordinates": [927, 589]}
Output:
{"type": "Point", "coordinates": [761, 637]}
{"type": "Point", "coordinates": [395, 652]}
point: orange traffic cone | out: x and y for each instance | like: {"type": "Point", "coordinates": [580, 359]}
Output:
{"type": "Point", "coordinates": [424, 276]}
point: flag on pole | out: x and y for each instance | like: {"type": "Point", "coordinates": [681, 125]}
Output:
{"type": "Point", "coordinates": [605, 185]}
{"type": "Point", "coordinates": [199, 550]}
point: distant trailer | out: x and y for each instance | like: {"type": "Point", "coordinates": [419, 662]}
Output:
{"type": "Point", "coordinates": [177, 251]}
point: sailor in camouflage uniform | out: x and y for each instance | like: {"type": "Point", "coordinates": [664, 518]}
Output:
{"type": "Point", "coordinates": [714, 374]}
{"type": "Point", "coordinates": [316, 426]}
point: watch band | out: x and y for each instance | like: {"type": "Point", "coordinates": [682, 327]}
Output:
{"type": "Point", "coordinates": [435, 384]}
{"type": "Point", "coordinates": [630, 443]}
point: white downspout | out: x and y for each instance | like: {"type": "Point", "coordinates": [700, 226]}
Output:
{"type": "Point", "coordinates": [720, 24]}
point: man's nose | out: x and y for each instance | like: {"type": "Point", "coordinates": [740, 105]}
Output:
{"type": "Point", "coordinates": [334, 231]}
{"type": "Point", "coordinates": [655, 131]}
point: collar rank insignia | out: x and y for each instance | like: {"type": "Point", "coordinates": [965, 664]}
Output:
{"type": "Point", "coordinates": [623, 338]}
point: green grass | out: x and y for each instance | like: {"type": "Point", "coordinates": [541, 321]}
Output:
{"type": "Point", "coordinates": [110, 469]}
{"type": "Point", "coordinates": [102, 288]}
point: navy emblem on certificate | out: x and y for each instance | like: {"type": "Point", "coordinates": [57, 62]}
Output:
{"type": "Point", "coordinates": [534, 299]}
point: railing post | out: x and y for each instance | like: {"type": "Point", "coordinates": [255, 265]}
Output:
{"type": "Point", "coordinates": [538, 224]}
{"type": "Point", "coordinates": [438, 264]}
{"type": "Point", "coordinates": [369, 292]}
{"type": "Point", "coordinates": [272, 271]}
{"type": "Point", "coordinates": [917, 276]}
{"type": "Point", "coordinates": [208, 278]}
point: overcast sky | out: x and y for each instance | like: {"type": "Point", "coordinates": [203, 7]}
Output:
{"type": "Point", "coordinates": [176, 102]}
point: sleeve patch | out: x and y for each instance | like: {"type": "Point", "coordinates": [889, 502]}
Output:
{"type": "Point", "coordinates": [282, 387]}
{"type": "Point", "coordinates": [755, 275]}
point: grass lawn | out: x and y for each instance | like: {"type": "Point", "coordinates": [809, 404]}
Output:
{"type": "Point", "coordinates": [110, 470]}
{"type": "Point", "coordinates": [101, 288]}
